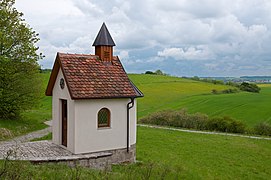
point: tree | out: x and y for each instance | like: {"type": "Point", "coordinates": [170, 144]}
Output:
{"type": "Point", "coordinates": [196, 78]}
{"type": "Point", "coordinates": [20, 84]}
{"type": "Point", "coordinates": [249, 87]}
{"type": "Point", "coordinates": [159, 72]}
{"type": "Point", "coordinates": [149, 72]}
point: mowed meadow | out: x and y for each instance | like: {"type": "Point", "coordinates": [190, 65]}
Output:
{"type": "Point", "coordinates": [168, 154]}
{"type": "Point", "coordinates": [164, 92]}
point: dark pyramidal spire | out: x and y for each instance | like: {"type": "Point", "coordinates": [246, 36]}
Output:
{"type": "Point", "coordinates": [104, 38]}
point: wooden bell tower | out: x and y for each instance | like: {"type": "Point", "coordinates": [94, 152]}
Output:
{"type": "Point", "coordinates": [104, 44]}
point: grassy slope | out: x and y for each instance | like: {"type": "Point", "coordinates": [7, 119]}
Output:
{"type": "Point", "coordinates": [248, 107]}
{"type": "Point", "coordinates": [32, 119]}
{"type": "Point", "coordinates": [163, 92]}
{"type": "Point", "coordinates": [169, 154]}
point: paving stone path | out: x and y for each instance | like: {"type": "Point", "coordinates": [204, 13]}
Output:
{"type": "Point", "coordinates": [21, 148]}
{"type": "Point", "coordinates": [46, 151]}
{"type": "Point", "coordinates": [42, 151]}
{"type": "Point", "coordinates": [32, 150]}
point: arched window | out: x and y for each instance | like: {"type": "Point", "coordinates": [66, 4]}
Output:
{"type": "Point", "coordinates": [104, 118]}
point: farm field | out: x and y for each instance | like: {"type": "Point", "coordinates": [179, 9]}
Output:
{"type": "Point", "coordinates": [163, 92]}
{"type": "Point", "coordinates": [248, 107]}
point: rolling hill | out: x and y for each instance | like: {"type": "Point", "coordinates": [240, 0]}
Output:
{"type": "Point", "coordinates": [165, 92]}
{"type": "Point", "coordinates": [166, 154]}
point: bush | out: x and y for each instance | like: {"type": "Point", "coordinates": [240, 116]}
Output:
{"type": "Point", "coordinates": [217, 81]}
{"type": "Point", "coordinates": [197, 121]}
{"type": "Point", "coordinates": [249, 87]}
{"type": "Point", "coordinates": [229, 91]}
{"type": "Point", "coordinates": [195, 78]}
{"type": "Point", "coordinates": [149, 72]}
{"type": "Point", "coordinates": [225, 124]}
{"type": "Point", "coordinates": [231, 83]}
{"type": "Point", "coordinates": [157, 72]}
{"type": "Point", "coordinates": [226, 91]}
{"type": "Point", "coordinates": [191, 121]}
{"type": "Point", "coordinates": [214, 91]}
{"type": "Point", "coordinates": [263, 128]}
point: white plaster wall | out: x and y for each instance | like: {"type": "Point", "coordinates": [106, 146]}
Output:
{"type": "Point", "coordinates": [59, 94]}
{"type": "Point", "coordinates": [90, 138]}
{"type": "Point", "coordinates": [133, 123]}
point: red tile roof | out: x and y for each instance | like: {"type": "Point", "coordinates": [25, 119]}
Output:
{"type": "Point", "coordinates": [87, 77]}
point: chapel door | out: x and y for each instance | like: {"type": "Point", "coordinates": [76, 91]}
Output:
{"type": "Point", "coordinates": [64, 122]}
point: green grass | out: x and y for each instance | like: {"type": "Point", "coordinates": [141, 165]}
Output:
{"type": "Point", "coordinates": [206, 156]}
{"type": "Point", "coordinates": [46, 137]}
{"type": "Point", "coordinates": [173, 154]}
{"type": "Point", "coordinates": [164, 92]}
{"type": "Point", "coordinates": [31, 120]}
{"type": "Point", "coordinates": [248, 107]}
{"type": "Point", "coordinates": [177, 155]}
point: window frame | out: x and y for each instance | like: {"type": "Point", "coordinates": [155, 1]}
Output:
{"type": "Point", "coordinates": [108, 124]}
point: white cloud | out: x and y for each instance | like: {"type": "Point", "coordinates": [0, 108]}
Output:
{"type": "Point", "coordinates": [211, 66]}
{"type": "Point", "coordinates": [124, 55]}
{"type": "Point", "coordinates": [88, 8]}
{"type": "Point", "coordinates": [229, 35]}
{"type": "Point", "coordinates": [190, 53]}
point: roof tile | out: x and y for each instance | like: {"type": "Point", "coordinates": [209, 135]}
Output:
{"type": "Point", "coordinates": [88, 77]}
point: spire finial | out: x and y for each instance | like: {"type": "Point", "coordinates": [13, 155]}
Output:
{"type": "Point", "coordinates": [104, 38]}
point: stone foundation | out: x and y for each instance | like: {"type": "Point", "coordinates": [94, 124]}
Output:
{"type": "Point", "coordinates": [100, 160]}
{"type": "Point", "coordinates": [47, 152]}
{"type": "Point", "coordinates": [122, 156]}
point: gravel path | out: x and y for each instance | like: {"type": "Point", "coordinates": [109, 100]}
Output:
{"type": "Point", "coordinates": [29, 136]}
{"type": "Point", "coordinates": [204, 132]}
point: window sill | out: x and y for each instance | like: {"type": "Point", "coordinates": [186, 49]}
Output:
{"type": "Point", "coordinates": [101, 128]}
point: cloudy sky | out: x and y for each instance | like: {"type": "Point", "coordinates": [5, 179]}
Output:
{"type": "Point", "coordinates": [180, 37]}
